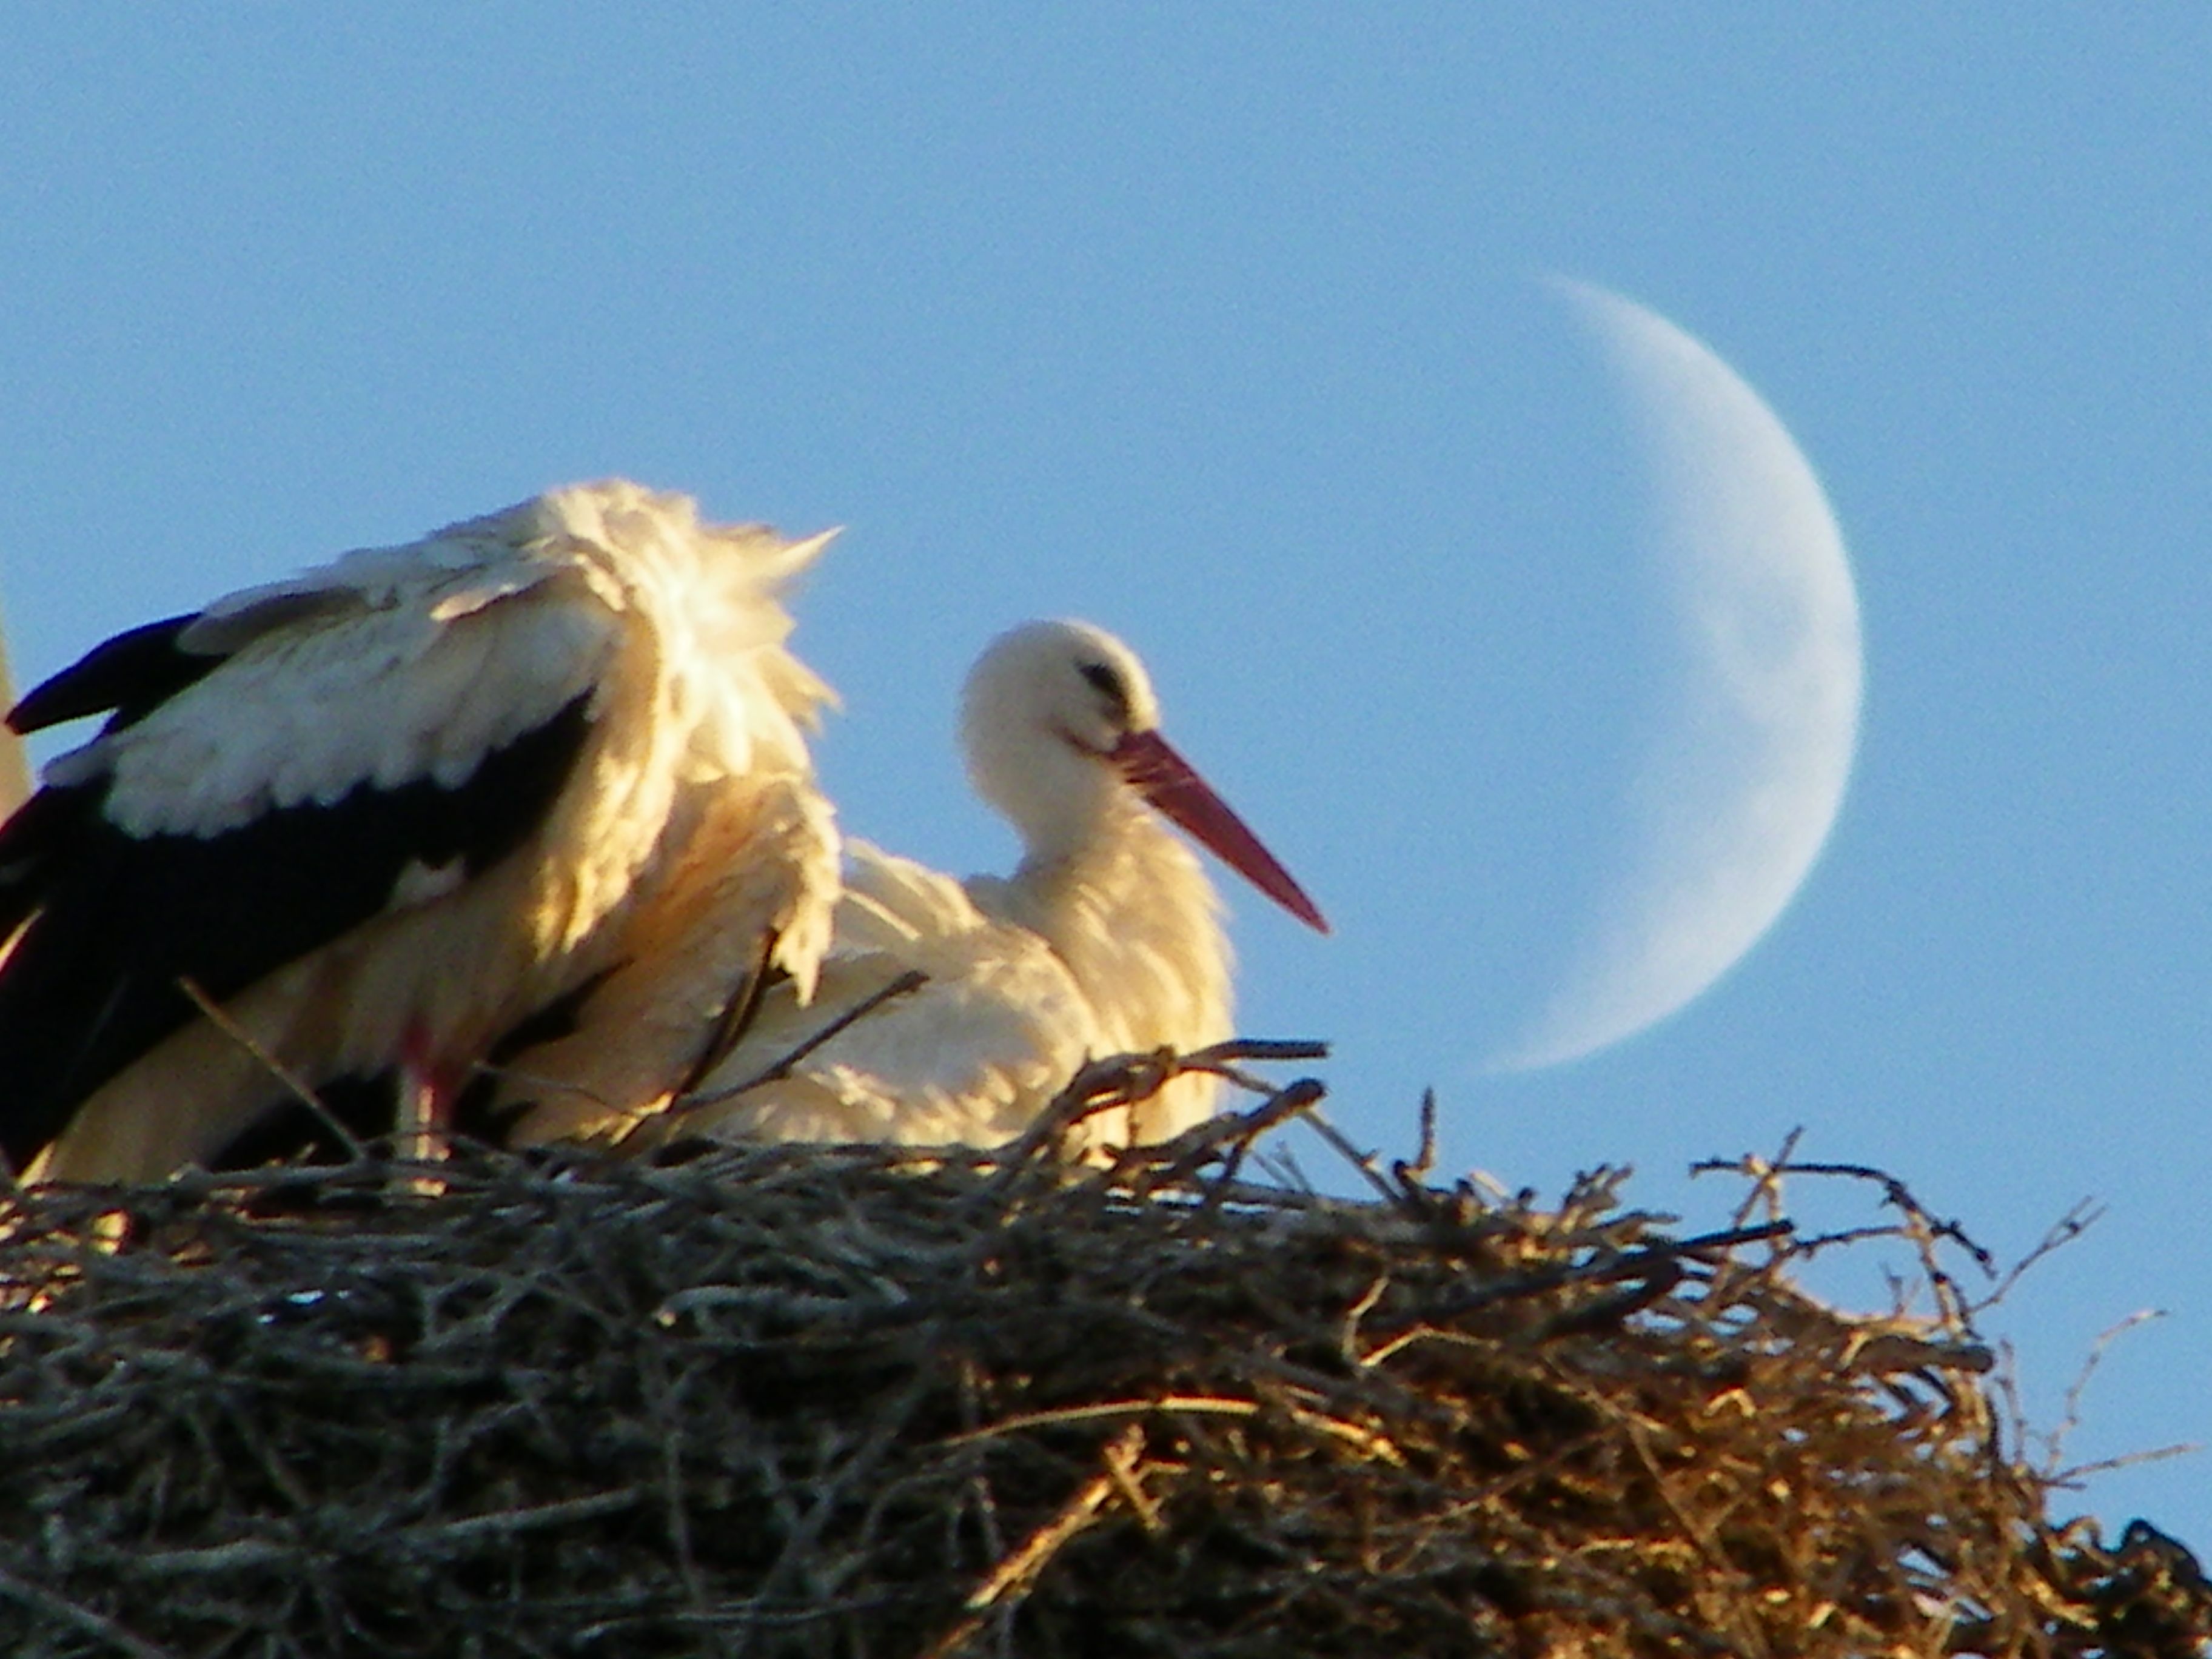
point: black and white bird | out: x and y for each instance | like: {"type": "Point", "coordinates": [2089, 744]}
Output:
{"type": "Point", "coordinates": [384, 813]}
{"type": "Point", "coordinates": [1107, 939]}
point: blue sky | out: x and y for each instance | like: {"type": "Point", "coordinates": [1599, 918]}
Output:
{"type": "Point", "coordinates": [1230, 329]}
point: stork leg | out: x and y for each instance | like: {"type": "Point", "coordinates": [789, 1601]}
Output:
{"type": "Point", "coordinates": [428, 1088]}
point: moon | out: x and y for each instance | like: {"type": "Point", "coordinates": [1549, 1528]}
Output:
{"type": "Point", "coordinates": [1757, 728]}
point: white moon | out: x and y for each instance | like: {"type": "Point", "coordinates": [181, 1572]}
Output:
{"type": "Point", "coordinates": [1739, 788]}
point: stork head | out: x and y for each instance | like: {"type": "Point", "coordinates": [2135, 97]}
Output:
{"type": "Point", "coordinates": [1062, 732]}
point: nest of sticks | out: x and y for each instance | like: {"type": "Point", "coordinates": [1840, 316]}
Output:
{"type": "Point", "coordinates": [858, 1402]}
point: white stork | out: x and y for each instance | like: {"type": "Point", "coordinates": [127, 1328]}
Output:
{"type": "Point", "coordinates": [1106, 939]}
{"type": "Point", "coordinates": [382, 813]}
{"type": "Point", "coordinates": [15, 761]}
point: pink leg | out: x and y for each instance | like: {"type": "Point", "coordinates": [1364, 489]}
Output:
{"type": "Point", "coordinates": [427, 1090]}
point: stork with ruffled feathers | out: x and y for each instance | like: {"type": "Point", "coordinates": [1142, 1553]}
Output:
{"type": "Point", "coordinates": [1106, 939]}
{"type": "Point", "coordinates": [377, 818]}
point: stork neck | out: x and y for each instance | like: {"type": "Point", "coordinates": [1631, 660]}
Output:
{"type": "Point", "coordinates": [1080, 828]}
{"type": "Point", "coordinates": [1131, 907]}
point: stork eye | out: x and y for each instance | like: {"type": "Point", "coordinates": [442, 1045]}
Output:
{"type": "Point", "coordinates": [1108, 685]}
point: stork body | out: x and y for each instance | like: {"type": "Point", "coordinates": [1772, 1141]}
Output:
{"type": "Point", "coordinates": [1106, 939]}
{"type": "Point", "coordinates": [382, 813]}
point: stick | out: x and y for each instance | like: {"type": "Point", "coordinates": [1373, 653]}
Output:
{"type": "Point", "coordinates": [237, 1033]}
{"type": "Point", "coordinates": [913, 979]}
{"type": "Point", "coordinates": [92, 1624]}
{"type": "Point", "coordinates": [1201, 1404]}
{"type": "Point", "coordinates": [1014, 1576]}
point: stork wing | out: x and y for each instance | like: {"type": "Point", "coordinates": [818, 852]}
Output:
{"type": "Point", "coordinates": [274, 772]}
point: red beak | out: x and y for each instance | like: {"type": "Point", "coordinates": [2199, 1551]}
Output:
{"type": "Point", "coordinates": [1165, 779]}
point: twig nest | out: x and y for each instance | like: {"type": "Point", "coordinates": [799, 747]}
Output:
{"type": "Point", "coordinates": [847, 1401]}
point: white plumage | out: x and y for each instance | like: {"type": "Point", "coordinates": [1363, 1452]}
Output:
{"type": "Point", "coordinates": [1106, 939]}
{"type": "Point", "coordinates": [967, 1057]}
{"type": "Point", "coordinates": [14, 762]}
{"type": "Point", "coordinates": [386, 811]}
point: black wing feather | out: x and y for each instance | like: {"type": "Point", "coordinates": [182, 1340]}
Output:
{"type": "Point", "coordinates": [133, 674]}
{"type": "Point", "coordinates": [92, 985]}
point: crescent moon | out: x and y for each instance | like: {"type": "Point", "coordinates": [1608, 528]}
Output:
{"type": "Point", "coordinates": [1739, 788]}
